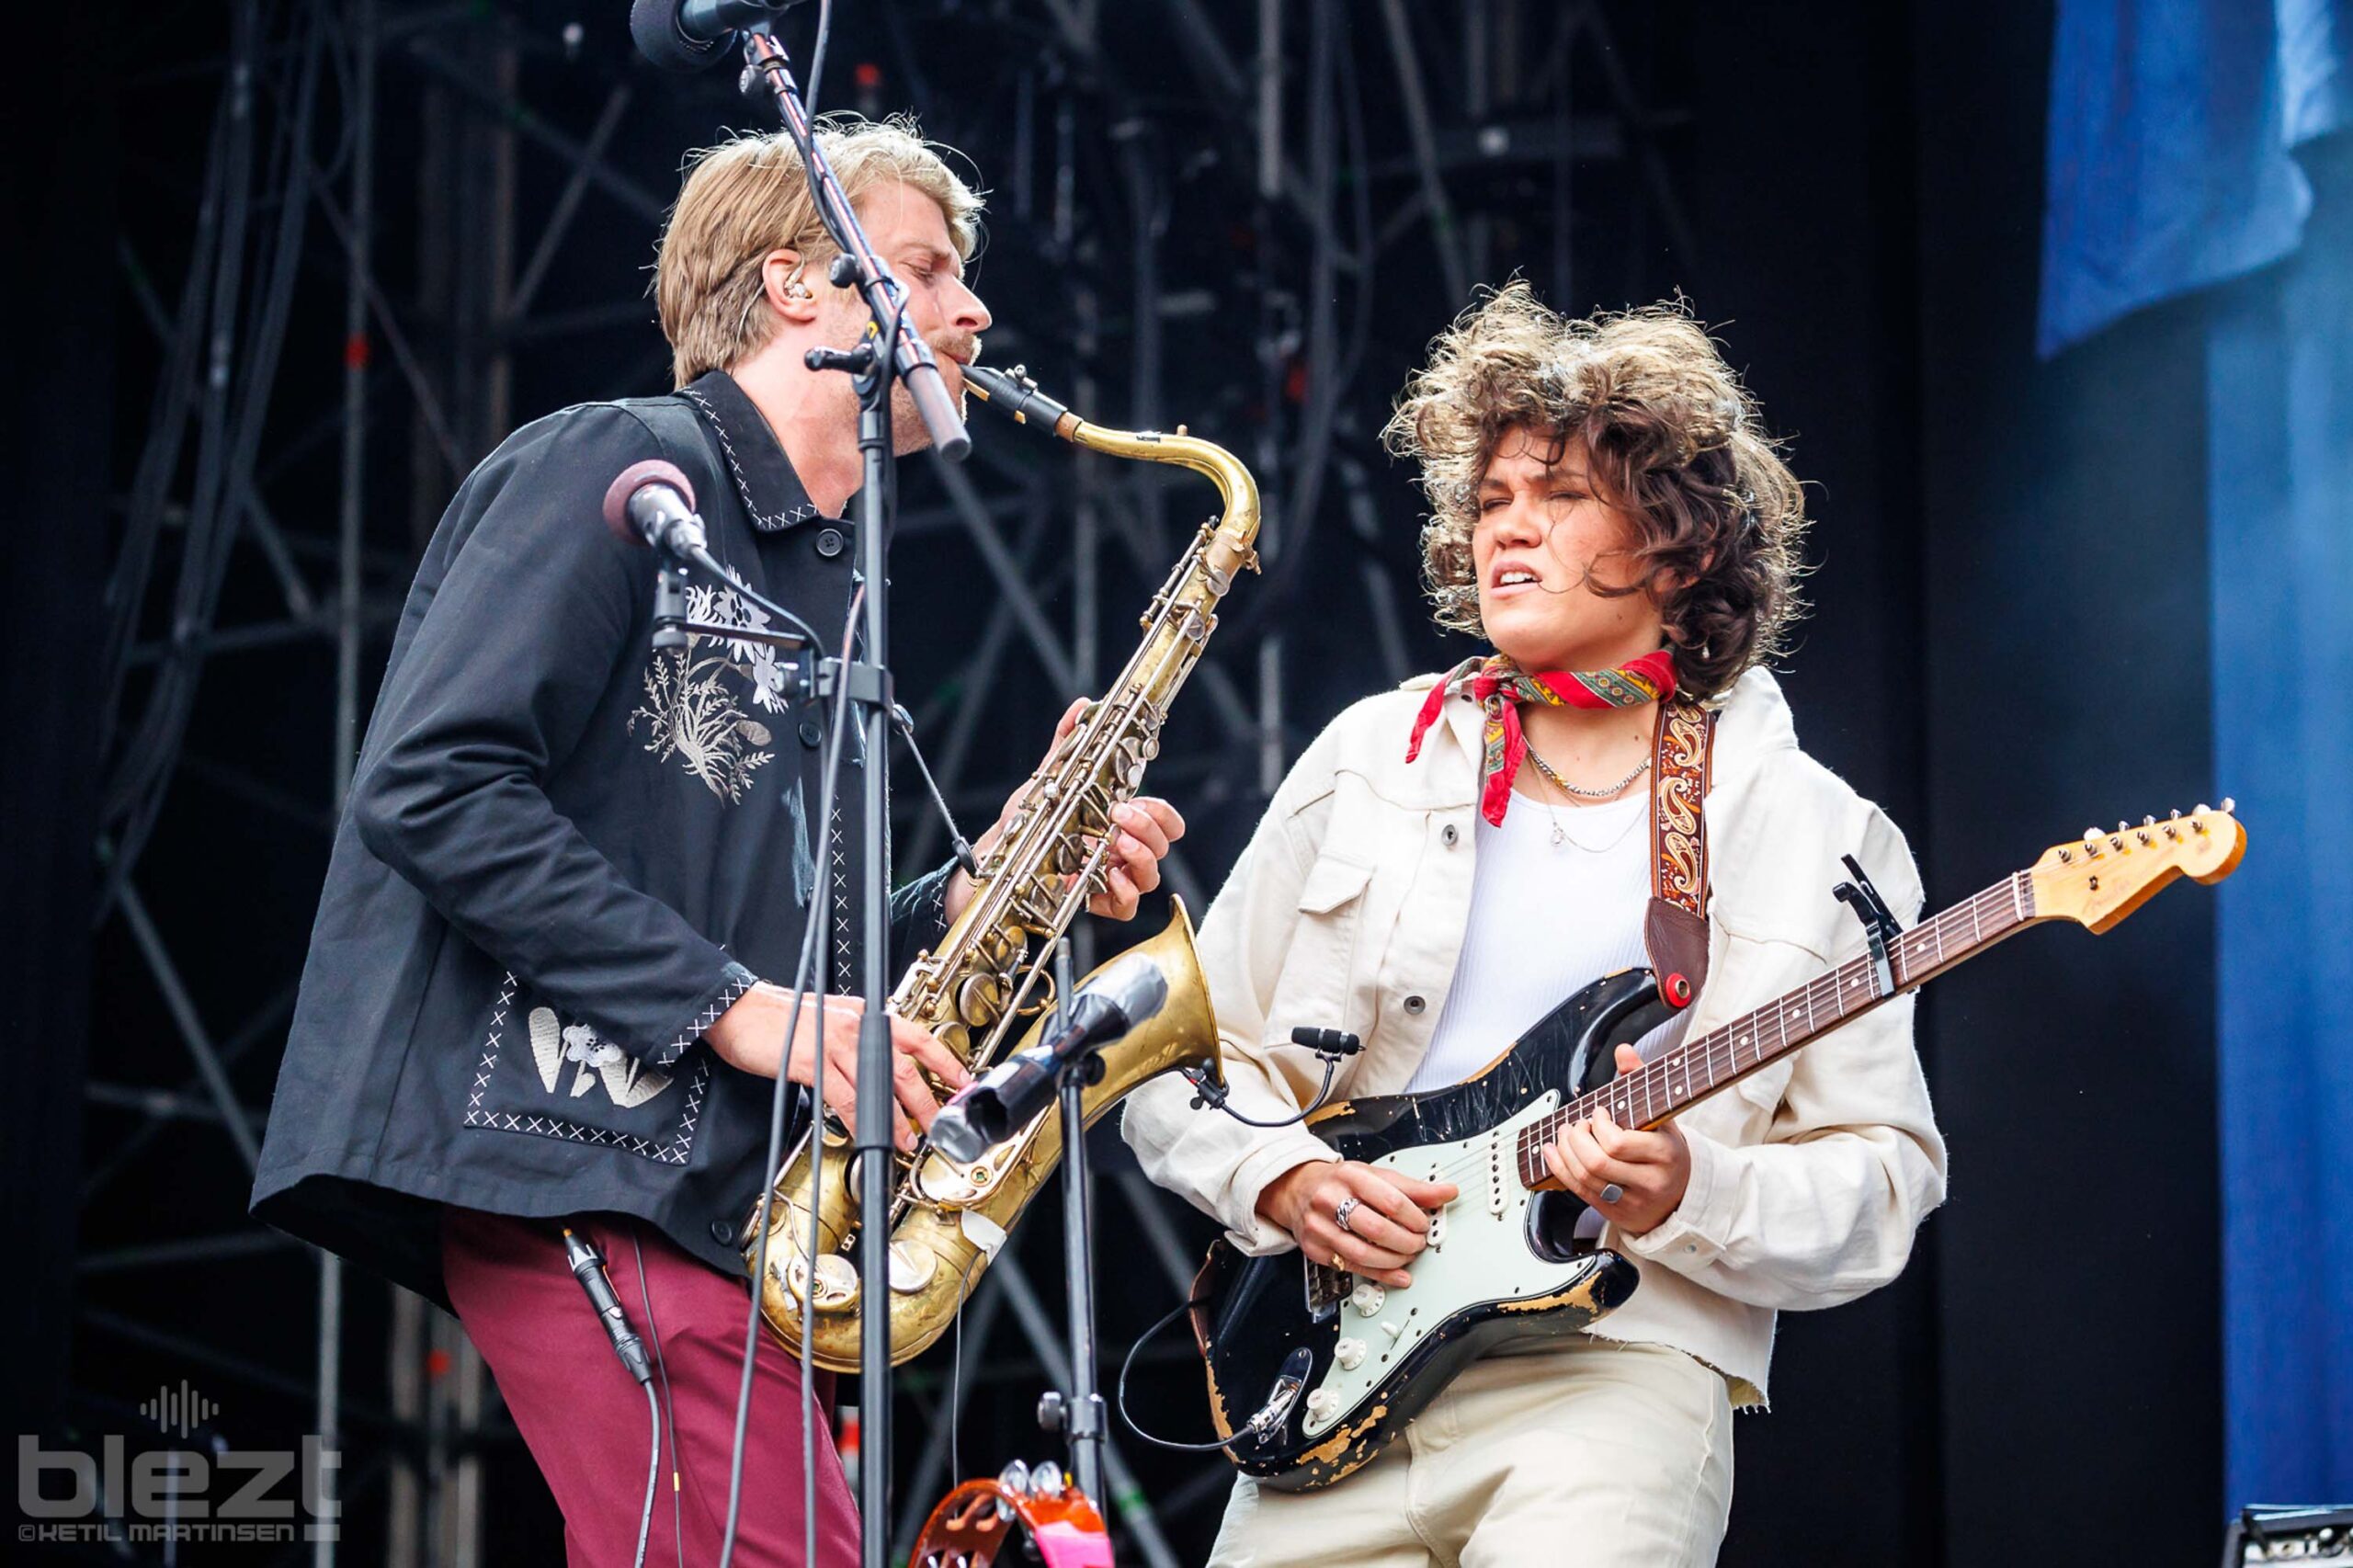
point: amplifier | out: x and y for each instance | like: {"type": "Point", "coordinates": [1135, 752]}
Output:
{"type": "Point", "coordinates": [2312, 1537]}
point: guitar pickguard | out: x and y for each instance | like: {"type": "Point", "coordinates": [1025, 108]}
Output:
{"type": "Point", "coordinates": [1478, 1260]}
{"type": "Point", "coordinates": [1312, 1371]}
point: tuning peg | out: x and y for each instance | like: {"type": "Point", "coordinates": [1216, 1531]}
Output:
{"type": "Point", "coordinates": [2229, 805]}
{"type": "Point", "coordinates": [2203, 808]}
{"type": "Point", "coordinates": [2176, 813]}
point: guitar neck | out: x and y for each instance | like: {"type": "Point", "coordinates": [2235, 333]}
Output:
{"type": "Point", "coordinates": [1722, 1056]}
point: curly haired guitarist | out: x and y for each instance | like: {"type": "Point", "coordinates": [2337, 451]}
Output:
{"type": "Point", "coordinates": [1448, 862]}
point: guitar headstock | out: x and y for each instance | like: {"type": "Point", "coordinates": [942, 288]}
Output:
{"type": "Point", "coordinates": [2105, 876]}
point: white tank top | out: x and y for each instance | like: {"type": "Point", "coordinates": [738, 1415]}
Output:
{"type": "Point", "coordinates": [1547, 919]}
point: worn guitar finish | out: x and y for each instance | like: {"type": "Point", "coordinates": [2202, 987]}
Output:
{"type": "Point", "coordinates": [1313, 1371]}
{"type": "Point", "coordinates": [1554, 1286]}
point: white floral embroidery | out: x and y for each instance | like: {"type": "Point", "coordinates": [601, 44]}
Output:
{"type": "Point", "coordinates": [648, 1083]}
{"type": "Point", "coordinates": [692, 712]}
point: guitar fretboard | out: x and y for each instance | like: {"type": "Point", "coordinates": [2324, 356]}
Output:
{"type": "Point", "coordinates": [1698, 1068]}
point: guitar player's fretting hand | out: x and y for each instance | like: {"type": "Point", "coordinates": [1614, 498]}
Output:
{"type": "Point", "coordinates": [1390, 1223]}
{"type": "Point", "coordinates": [1653, 1168]}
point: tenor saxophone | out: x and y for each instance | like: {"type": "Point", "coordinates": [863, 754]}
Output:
{"type": "Point", "coordinates": [988, 974]}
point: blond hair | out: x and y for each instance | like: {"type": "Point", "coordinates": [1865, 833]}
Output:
{"type": "Point", "coordinates": [1670, 436]}
{"type": "Point", "coordinates": [749, 195]}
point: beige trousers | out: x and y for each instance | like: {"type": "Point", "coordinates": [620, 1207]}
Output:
{"type": "Point", "coordinates": [1595, 1455]}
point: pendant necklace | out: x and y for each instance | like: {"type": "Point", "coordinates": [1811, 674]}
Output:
{"type": "Point", "coordinates": [1561, 834]}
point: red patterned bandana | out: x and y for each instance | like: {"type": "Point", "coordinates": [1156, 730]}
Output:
{"type": "Point", "coordinates": [1499, 686]}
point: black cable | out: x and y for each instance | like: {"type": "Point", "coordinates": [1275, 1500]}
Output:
{"type": "Point", "coordinates": [719, 569]}
{"type": "Point", "coordinates": [817, 73]}
{"type": "Point", "coordinates": [836, 742]}
{"type": "Point", "coordinates": [653, 1476]}
{"type": "Point", "coordinates": [1128, 1362]}
{"type": "Point", "coordinates": [669, 1400]}
{"type": "Point", "coordinates": [958, 845]}
{"type": "Point", "coordinates": [1208, 1091]}
{"type": "Point", "coordinates": [956, 1369]}
{"type": "Point", "coordinates": [802, 976]}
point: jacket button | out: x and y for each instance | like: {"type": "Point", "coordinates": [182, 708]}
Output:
{"type": "Point", "coordinates": [723, 1232]}
{"type": "Point", "coordinates": [829, 543]}
{"type": "Point", "coordinates": [1415, 1005]}
{"type": "Point", "coordinates": [1451, 834]}
{"type": "Point", "coordinates": [811, 732]}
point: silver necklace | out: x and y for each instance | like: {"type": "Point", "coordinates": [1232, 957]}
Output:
{"type": "Point", "coordinates": [1561, 834]}
{"type": "Point", "coordinates": [1610, 793]}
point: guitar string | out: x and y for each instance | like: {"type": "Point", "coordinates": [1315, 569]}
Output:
{"type": "Point", "coordinates": [1655, 1082]}
{"type": "Point", "coordinates": [1655, 1079]}
{"type": "Point", "coordinates": [1620, 1092]}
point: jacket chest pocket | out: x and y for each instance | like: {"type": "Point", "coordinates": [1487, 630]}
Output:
{"type": "Point", "coordinates": [543, 1072]}
{"type": "Point", "coordinates": [1319, 975]}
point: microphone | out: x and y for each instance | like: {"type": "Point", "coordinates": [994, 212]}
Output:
{"type": "Point", "coordinates": [1128, 993]}
{"type": "Point", "coordinates": [652, 503]}
{"type": "Point", "coordinates": [589, 1269]}
{"type": "Point", "coordinates": [687, 34]}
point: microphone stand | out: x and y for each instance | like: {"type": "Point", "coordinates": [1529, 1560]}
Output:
{"type": "Point", "coordinates": [892, 349]}
{"type": "Point", "coordinates": [1081, 1411]}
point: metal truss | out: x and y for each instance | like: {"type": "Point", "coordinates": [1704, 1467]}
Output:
{"type": "Point", "coordinates": [1248, 221]}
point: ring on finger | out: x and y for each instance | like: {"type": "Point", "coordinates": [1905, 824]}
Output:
{"type": "Point", "coordinates": [1612, 1193]}
{"type": "Point", "coordinates": [1347, 1207]}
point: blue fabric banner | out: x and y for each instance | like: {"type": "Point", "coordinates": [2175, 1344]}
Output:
{"type": "Point", "coordinates": [2193, 143]}
{"type": "Point", "coordinates": [2280, 486]}
{"type": "Point", "coordinates": [2168, 155]}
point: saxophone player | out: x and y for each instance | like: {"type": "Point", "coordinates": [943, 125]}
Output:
{"type": "Point", "coordinates": [545, 979]}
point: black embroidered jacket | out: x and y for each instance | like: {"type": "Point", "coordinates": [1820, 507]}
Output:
{"type": "Point", "coordinates": [564, 854]}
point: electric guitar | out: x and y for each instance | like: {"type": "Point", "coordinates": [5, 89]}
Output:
{"type": "Point", "coordinates": [1312, 1371]}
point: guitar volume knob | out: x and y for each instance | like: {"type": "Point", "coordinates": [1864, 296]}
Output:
{"type": "Point", "coordinates": [1321, 1403]}
{"type": "Point", "coordinates": [1367, 1298]}
{"type": "Point", "coordinates": [1350, 1354]}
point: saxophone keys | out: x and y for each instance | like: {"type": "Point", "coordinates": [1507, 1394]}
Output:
{"type": "Point", "coordinates": [980, 1000]}
{"type": "Point", "coordinates": [837, 1279]}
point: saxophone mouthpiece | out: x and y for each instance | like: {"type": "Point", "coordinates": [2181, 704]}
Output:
{"type": "Point", "coordinates": [1012, 392]}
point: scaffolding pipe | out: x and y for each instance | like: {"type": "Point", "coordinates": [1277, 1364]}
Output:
{"type": "Point", "coordinates": [350, 514]}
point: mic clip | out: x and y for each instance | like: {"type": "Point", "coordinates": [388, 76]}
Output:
{"type": "Point", "coordinates": [1329, 1046]}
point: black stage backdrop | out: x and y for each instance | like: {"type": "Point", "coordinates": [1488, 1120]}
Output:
{"type": "Point", "coordinates": [2010, 643]}
{"type": "Point", "coordinates": [55, 437]}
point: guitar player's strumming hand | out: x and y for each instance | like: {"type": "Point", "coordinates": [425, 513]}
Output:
{"type": "Point", "coordinates": [1651, 1169]}
{"type": "Point", "coordinates": [1390, 1222]}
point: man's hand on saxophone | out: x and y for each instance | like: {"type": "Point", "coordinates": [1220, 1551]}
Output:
{"type": "Point", "coordinates": [750, 1035]}
{"type": "Point", "coordinates": [1147, 827]}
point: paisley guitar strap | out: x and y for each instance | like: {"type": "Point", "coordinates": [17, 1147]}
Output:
{"type": "Point", "coordinates": [1675, 929]}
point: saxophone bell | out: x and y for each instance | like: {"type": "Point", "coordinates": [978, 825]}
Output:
{"type": "Point", "coordinates": [985, 982]}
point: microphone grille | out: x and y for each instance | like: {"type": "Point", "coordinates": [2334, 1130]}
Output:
{"type": "Point", "coordinates": [633, 479]}
{"type": "Point", "coordinates": [654, 24]}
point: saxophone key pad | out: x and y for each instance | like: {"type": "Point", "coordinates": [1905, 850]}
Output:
{"type": "Point", "coordinates": [837, 1279]}
{"type": "Point", "coordinates": [911, 1269]}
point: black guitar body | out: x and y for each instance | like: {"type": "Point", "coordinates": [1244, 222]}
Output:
{"type": "Point", "coordinates": [1268, 1325]}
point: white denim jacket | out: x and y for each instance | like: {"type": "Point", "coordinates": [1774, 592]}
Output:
{"type": "Point", "coordinates": [1347, 908]}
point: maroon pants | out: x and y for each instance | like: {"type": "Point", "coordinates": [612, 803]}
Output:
{"type": "Point", "coordinates": [585, 1418]}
